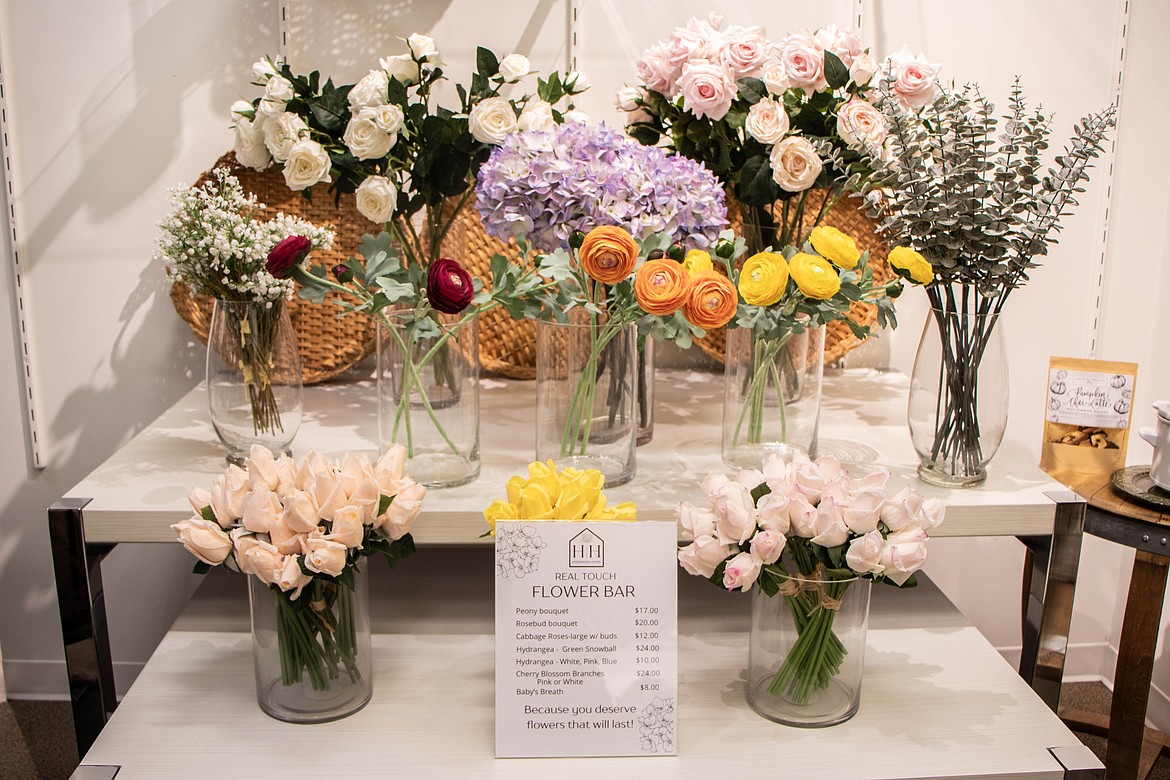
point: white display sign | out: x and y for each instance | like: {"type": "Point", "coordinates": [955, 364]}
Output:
{"type": "Point", "coordinates": [1089, 398]}
{"type": "Point", "coordinates": [586, 639]}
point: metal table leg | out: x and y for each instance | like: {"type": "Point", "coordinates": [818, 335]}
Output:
{"type": "Point", "coordinates": [1052, 584]}
{"type": "Point", "coordinates": [77, 570]}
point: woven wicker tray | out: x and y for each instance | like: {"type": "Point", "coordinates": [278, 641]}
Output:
{"type": "Point", "coordinates": [328, 344]}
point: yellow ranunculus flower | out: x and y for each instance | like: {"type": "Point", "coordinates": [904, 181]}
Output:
{"type": "Point", "coordinates": [548, 494]}
{"type": "Point", "coordinates": [500, 510]}
{"type": "Point", "coordinates": [763, 279]}
{"type": "Point", "coordinates": [814, 276]}
{"type": "Point", "coordinates": [697, 261]}
{"type": "Point", "coordinates": [835, 246]}
{"type": "Point", "coordinates": [911, 265]}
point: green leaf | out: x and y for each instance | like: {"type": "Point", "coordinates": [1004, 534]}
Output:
{"type": "Point", "coordinates": [207, 514]}
{"type": "Point", "coordinates": [201, 568]}
{"type": "Point", "coordinates": [759, 491]}
{"type": "Point", "coordinates": [836, 73]}
{"type": "Point", "coordinates": [384, 504]}
{"type": "Point", "coordinates": [486, 63]}
{"type": "Point", "coordinates": [752, 90]}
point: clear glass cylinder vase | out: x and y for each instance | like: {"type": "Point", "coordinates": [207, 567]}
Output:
{"type": "Point", "coordinates": [312, 654]}
{"type": "Point", "coordinates": [958, 404]}
{"type": "Point", "coordinates": [772, 395]}
{"type": "Point", "coordinates": [586, 381]}
{"type": "Point", "coordinates": [428, 395]}
{"type": "Point", "coordinates": [807, 650]}
{"type": "Point", "coordinates": [253, 377]}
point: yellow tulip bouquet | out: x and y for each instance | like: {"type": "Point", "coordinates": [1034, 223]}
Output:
{"type": "Point", "coordinates": [776, 338]}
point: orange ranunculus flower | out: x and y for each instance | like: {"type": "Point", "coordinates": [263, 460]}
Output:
{"type": "Point", "coordinates": [712, 302]}
{"type": "Point", "coordinates": [662, 286]}
{"type": "Point", "coordinates": [608, 254]}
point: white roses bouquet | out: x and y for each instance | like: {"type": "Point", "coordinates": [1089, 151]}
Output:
{"type": "Point", "coordinates": [302, 529]}
{"type": "Point", "coordinates": [385, 138]}
{"type": "Point", "coordinates": [806, 530]}
{"type": "Point", "coordinates": [771, 120]}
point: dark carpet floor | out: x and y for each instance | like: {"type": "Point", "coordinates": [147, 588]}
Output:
{"type": "Point", "coordinates": [36, 737]}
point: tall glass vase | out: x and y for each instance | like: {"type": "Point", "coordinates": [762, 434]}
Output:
{"type": "Point", "coordinates": [772, 395]}
{"type": "Point", "coordinates": [312, 654]}
{"type": "Point", "coordinates": [253, 377]}
{"type": "Point", "coordinates": [807, 650]}
{"type": "Point", "coordinates": [958, 403]}
{"type": "Point", "coordinates": [586, 381]}
{"type": "Point", "coordinates": [428, 395]}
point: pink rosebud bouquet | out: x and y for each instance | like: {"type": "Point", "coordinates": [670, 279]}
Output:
{"type": "Point", "coordinates": [773, 120]}
{"type": "Point", "coordinates": [806, 531]}
{"type": "Point", "coordinates": [302, 529]}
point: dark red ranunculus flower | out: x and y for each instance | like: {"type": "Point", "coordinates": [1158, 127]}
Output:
{"type": "Point", "coordinates": [449, 286]}
{"type": "Point", "coordinates": [343, 273]}
{"type": "Point", "coordinates": [286, 254]}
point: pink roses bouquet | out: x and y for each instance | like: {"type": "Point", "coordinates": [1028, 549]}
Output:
{"type": "Point", "coordinates": [771, 120]}
{"type": "Point", "coordinates": [301, 530]}
{"type": "Point", "coordinates": [806, 530]}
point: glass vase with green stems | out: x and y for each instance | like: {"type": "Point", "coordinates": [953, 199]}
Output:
{"type": "Point", "coordinates": [436, 354]}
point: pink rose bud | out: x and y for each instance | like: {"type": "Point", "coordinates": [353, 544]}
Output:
{"type": "Point", "coordinates": [449, 287]}
{"type": "Point", "coordinates": [283, 257]}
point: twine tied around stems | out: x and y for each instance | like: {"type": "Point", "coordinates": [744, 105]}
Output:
{"type": "Point", "coordinates": [794, 587]}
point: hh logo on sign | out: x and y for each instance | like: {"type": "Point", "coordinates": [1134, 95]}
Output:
{"type": "Point", "coordinates": [586, 550]}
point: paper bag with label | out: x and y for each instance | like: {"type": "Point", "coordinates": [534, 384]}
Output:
{"type": "Point", "coordinates": [1087, 415]}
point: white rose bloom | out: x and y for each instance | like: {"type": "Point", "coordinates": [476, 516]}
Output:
{"type": "Point", "coordinates": [575, 82]}
{"type": "Point", "coordinates": [514, 67]}
{"type": "Point", "coordinates": [576, 116]}
{"type": "Point", "coordinates": [203, 539]}
{"type": "Point", "coordinates": [537, 115]}
{"type": "Point", "coordinates": [243, 108]}
{"type": "Point", "coordinates": [627, 98]}
{"type": "Point", "coordinates": [421, 45]}
{"type": "Point", "coordinates": [491, 120]}
{"type": "Point", "coordinates": [365, 139]}
{"type": "Point", "coordinates": [278, 90]}
{"type": "Point", "coordinates": [307, 164]}
{"type": "Point", "coordinates": [377, 198]}
{"type": "Point", "coordinates": [370, 92]}
{"type": "Point", "coordinates": [795, 164]}
{"type": "Point", "coordinates": [401, 67]}
{"type": "Point", "coordinates": [250, 148]}
{"type": "Point", "coordinates": [324, 556]}
{"type": "Point", "coordinates": [281, 132]}
{"type": "Point", "coordinates": [767, 121]}
{"type": "Point", "coordinates": [389, 118]}
{"type": "Point", "coordinates": [262, 70]}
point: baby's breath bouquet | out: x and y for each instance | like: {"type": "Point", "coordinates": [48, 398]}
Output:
{"type": "Point", "coordinates": [216, 242]}
{"type": "Point", "coordinates": [967, 199]}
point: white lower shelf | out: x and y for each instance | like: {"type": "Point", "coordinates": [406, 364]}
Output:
{"type": "Point", "coordinates": [937, 702]}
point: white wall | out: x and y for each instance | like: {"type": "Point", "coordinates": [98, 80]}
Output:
{"type": "Point", "coordinates": [108, 105]}
{"type": "Point", "coordinates": [95, 146]}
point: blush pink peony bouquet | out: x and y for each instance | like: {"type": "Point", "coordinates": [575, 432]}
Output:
{"type": "Point", "coordinates": [806, 530]}
{"type": "Point", "coordinates": [302, 529]}
{"type": "Point", "coordinates": [773, 120]}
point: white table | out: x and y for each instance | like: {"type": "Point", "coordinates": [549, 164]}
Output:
{"type": "Point", "coordinates": [141, 490]}
{"type": "Point", "coordinates": [937, 702]}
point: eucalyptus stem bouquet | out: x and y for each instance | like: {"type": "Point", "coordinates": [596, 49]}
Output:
{"type": "Point", "coordinates": [966, 197]}
{"type": "Point", "coordinates": [806, 531]}
{"type": "Point", "coordinates": [302, 530]}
